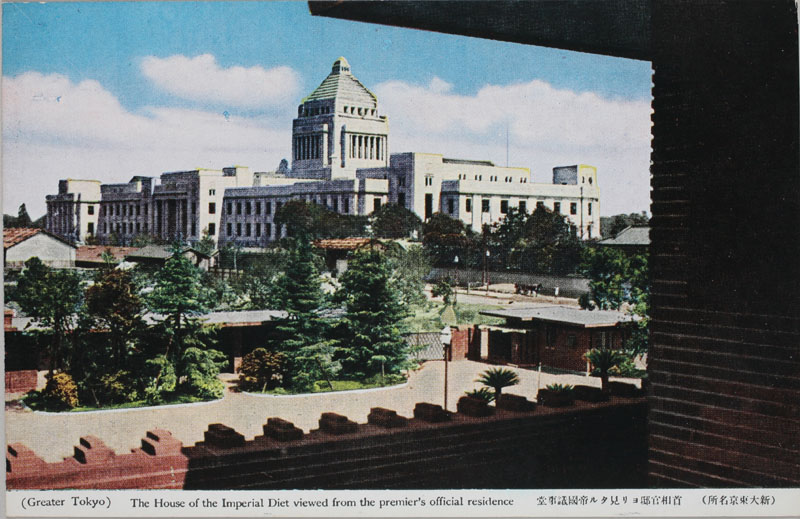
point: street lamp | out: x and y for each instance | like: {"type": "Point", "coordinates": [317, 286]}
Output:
{"type": "Point", "coordinates": [446, 336]}
{"type": "Point", "coordinates": [455, 288]}
{"type": "Point", "coordinates": [486, 270]}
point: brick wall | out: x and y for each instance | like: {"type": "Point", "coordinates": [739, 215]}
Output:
{"type": "Point", "coordinates": [21, 381]}
{"type": "Point", "coordinates": [586, 446]}
{"type": "Point", "coordinates": [724, 360]}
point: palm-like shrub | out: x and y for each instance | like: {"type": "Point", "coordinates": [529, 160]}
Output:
{"type": "Point", "coordinates": [498, 378]}
{"type": "Point", "coordinates": [604, 359]}
{"type": "Point", "coordinates": [481, 394]}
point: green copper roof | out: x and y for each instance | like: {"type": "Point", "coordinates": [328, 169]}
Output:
{"type": "Point", "coordinates": [342, 85]}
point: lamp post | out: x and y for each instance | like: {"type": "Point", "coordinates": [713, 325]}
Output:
{"type": "Point", "coordinates": [486, 270]}
{"type": "Point", "coordinates": [446, 336]}
{"type": "Point", "coordinates": [455, 287]}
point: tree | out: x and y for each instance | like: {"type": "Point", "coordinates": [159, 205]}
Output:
{"type": "Point", "coordinates": [299, 217]}
{"type": "Point", "coordinates": [444, 238]}
{"type": "Point", "coordinates": [604, 359]}
{"type": "Point", "coordinates": [370, 339]}
{"type": "Point", "coordinates": [497, 379]}
{"type": "Point", "coordinates": [409, 268]}
{"type": "Point", "coordinates": [283, 167]}
{"type": "Point", "coordinates": [53, 298]}
{"type": "Point", "coordinates": [395, 221]}
{"type": "Point", "coordinates": [301, 335]}
{"type": "Point", "coordinates": [23, 220]}
{"type": "Point", "coordinates": [612, 225]}
{"type": "Point", "coordinates": [179, 295]}
{"type": "Point", "coordinates": [607, 271]}
{"type": "Point", "coordinates": [549, 244]}
{"type": "Point", "coordinates": [206, 244]}
{"type": "Point", "coordinates": [113, 301]}
{"type": "Point", "coordinates": [261, 370]}
{"type": "Point", "coordinates": [443, 289]}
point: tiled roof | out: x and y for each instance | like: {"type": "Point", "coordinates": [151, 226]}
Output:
{"type": "Point", "coordinates": [94, 253]}
{"type": "Point", "coordinates": [152, 251]}
{"type": "Point", "coordinates": [630, 236]}
{"type": "Point", "coordinates": [15, 235]}
{"type": "Point", "coordinates": [343, 243]}
{"type": "Point", "coordinates": [341, 84]}
{"type": "Point", "coordinates": [565, 315]}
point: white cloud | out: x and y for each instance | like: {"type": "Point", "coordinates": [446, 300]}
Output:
{"type": "Point", "coordinates": [54, 128]}
{"type": "Point", "coordinates": [201, 79]}
{"type": "Point", "coordinates": [546, 127]}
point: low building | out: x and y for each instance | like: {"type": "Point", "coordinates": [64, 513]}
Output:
{"type": "Point", "coordinates": [154, 256]}
{"type": "Point", "coordinates": [94, 256]}
{"type": "Point", "coordinates": [22, 243]}
{"type": "Point", "coordinates": [336, 251]}
{"type": "Point", "coordinates": [555, 336]}
{"type": "Point", "coordinates": [633, 240]}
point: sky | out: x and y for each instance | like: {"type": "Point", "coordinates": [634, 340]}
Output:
{"type": "Point", "coordinates": [111, 90]}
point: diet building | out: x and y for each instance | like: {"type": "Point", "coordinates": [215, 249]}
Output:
{"type": "Point", "coordinates": [341, 160]}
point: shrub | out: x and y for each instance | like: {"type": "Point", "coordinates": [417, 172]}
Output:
{"type": "Point", "coordinates": [160, 378]}
{"type": "Point", "coordinates": [481, 394]}
{"type": "Point", "coordinates": [61, 389]}
{"type": "Point", "coordinates": [560, 388]}
{"type": "Point", "coordinates": [200, 373]}
{"type": "Point", "coordinates": [261, 370]}
{"type": "Point", "coordinates": [498, 378]}
{"type": "Point", "coordinates": [118, 387]}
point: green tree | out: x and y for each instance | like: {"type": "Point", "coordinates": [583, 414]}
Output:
{"type": "Point", "coordinates": [608, 272]}
{"type": "Point", "coordinates": [206, 244]}
{"type": "Point", "coordinates": [444, 238]}
{"type": "Point", "coordinates": [549, 244]}
{"type": "Point", "coordinates": [54, 298]}
{"type": "Point", "coordinates": [300, 218]}
{"type": "Point", "coordinates": [257, 284]}
{"type": "Point", "coordinates": [604, 359]}
{"type": "Point", "coordinates": [113, 301]}
{"type": "Point", "coordinates": [261, 370]}
{"type": "Point", "coordinates": [178, 295]}
{"type": "Point", "coordinates": [443, 289]}
{"type": "Point", "coordinates": [301, 335]}
{"type": "Point", "coordinates": [395, 221]}
{"type": "Point", "coordinates": [370, 339]}
{"type": "Point", "coordinates": [409, 268]}
{"type": "Point", "coordinates": [497, 379]}
{"type": "Point", "coordinates": [613, 225]}
{"type": "Point", "coordinates": [23, 220]}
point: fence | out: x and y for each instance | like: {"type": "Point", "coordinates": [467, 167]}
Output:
{"type": "Point", "coordinates": [568, 286]}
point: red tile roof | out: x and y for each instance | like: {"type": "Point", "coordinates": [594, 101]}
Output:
{"type": "Point", "coordinates": [94, 253]}
{"type": "Point", "coordinates": [17, 235]}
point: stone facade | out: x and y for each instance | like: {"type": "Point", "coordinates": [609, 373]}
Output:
{"type": "Point", "coordinates": [72, 213]}
{"type": "Point", "coordinates": [340, 160]}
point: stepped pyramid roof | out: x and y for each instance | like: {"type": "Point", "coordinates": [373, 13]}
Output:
{"type": "Point", "coordinates": [343, 86]}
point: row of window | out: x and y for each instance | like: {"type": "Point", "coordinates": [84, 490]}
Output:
{"type": "Point", "coordinates": [366, 147]}
{"type": "Point", "coordinates": [121, 209]}
{"type": "Point", "coordinates": [493, 178]}
{"type": "Point", "coordinates": [248, 229]}
{"type": "Point", "coordinates": [358, 110]}
{"type": "Point", "coordinates": [523, 206]}
{"type": "Point", "coordinates": [307, 147]}
{"type": "Point", "coordinates": [319, 110]}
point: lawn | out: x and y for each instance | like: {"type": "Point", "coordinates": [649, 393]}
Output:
{"type": "Point", "coordinates": [321, 386]}
{"type": "Point", "coordinates": [35, 401]}
{"type": "Point", "coordinates": [429, 319]}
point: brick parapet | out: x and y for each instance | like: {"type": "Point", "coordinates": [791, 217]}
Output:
{"type": "Point", "coordinates": [457, 453]}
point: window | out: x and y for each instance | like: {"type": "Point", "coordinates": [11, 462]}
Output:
{"type": "Point", "coordinates": [247, 229]}
{"type": "Point", "coordinates": [523, 206]}
{"type": "Point", "coordinates": [428, 180]}
{"type": "Point", "coordinates": [401, 181]}
{"type": "Point", "coordinates": [138, 227]}
{"type": "Point", "coordinates": [238, 229]}
{"type": "Point", "coordinates": [573, 208]}
{"type": "Point", "coordinates": [238, 208]}
{"type": "Point", "coordinates": [401, 199]}
{"type": "Point", "coordinates": [469, 205]}
{"type": "Point", "coordinates": [268, 229]}
{"type": "Point", "coordinates": [194, 208]}
{"type": "Point", "coordinates": [346, 206]}
{"type": "Point", "coordinates": [145, 223]}
{"type": "Point", "coordinates": [268, 208]}
{"type": "Point", "coordinates": [572, 341]}
{"type": "Point", "coordinates": [450, 205]}
{"type": "Point", "coordinates": [212, 208]}
{"type": "Point", "coordinates": [194, 228]}
{"type": "Point", "coordinates": [376, 204]}
{"type": "Point", "coordinates": [590, 180]}
{"type": "Point", "coordinates": [145, 212]}
{"type": "Point", "coordinates": [539, 204]}
{"type": "Point", "coordinates": [485, 205]}
{"type": "Point", "coordinates": [258, 207]}
{"type": "Point", "coordinates": [124, 210]}
{"type": "Point", "coordinates": [138, 209]}
{"type": "Point", "coordinates": [557, 207]}
{"type": "Point", "coordinates": [229, 208]}
{"type": "Point", "coordinates": [248, 208]}
{"type": "Point", "coordinates": [589, 209]}
{"type": "Point", "coordinates": [90, 209]}
{"type": "Point", "coordinates": [336, 204]}
{"type": "Point", "coordinates": [278, 206]}
{"type": "Point", "coordinates": [428, 205]}
{"type": "Point", "coordinates": [212, 192]}
{"type": "Point", "coordinates": [504, 206]}
{"type": "Point", "coordinates": [212, 229]}
{"type": "Point", "coordinates": [229, 229]}
{"type": "Point", "coordinates": [105, 228]}
{"type": "Point", "coordinates": [90, 227]}
{"type": "Point", "coordinates": [258, 230]}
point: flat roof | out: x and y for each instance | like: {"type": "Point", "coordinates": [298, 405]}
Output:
{"type": "Point", "coordinates": [565, 315]}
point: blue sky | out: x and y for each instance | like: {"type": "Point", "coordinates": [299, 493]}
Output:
{"type": "Point", "coordinates": [138, 65]}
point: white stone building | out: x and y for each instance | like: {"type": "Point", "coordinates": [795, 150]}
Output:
{"type": "Point", "coordinates": [22, 243]}
{"type": "Point", "coordinates": [340, 160]}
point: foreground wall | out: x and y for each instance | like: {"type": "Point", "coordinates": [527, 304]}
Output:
{"type": "Point", "coordinates": [584, 446]}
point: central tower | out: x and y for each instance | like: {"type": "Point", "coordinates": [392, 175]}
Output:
{"type": "Point", "coordinates": [338, 129]}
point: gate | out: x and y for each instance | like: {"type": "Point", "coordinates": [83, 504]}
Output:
{"type": "Point", "coordinates": [425, 346]}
